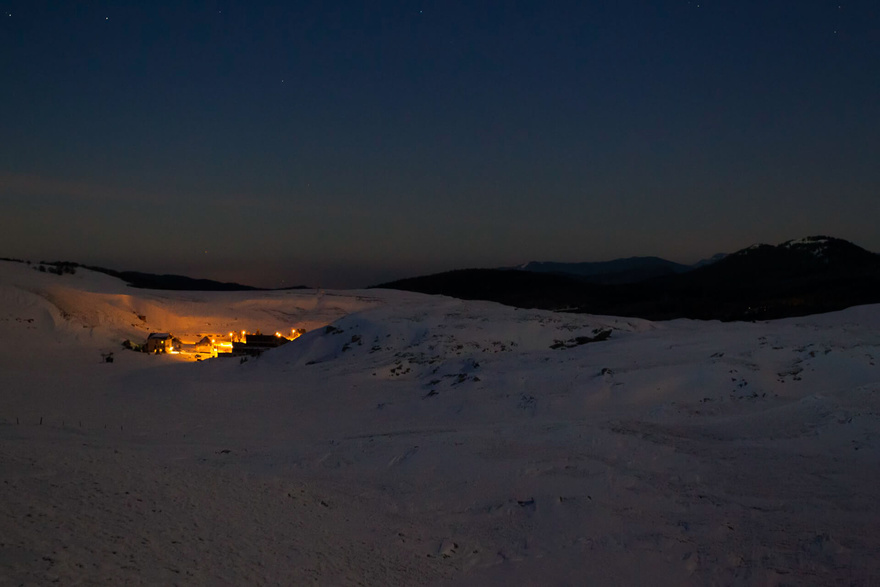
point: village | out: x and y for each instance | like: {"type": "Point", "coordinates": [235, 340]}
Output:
{"type": "Point", "coordinates": [234, 344]}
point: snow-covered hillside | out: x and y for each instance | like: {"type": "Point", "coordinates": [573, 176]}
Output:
{"type": "Point", "coordinates": [410, 439]}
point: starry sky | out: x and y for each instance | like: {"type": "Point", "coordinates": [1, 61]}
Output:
{"type": "Point", "coordinates": [346, 143]}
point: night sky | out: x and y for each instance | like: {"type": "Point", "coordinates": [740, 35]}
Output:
{"type": "Point", "coordinates": [346, 143]}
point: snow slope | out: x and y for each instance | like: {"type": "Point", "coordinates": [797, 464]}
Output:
{"type": "Point", "coordinates": [411, 439]}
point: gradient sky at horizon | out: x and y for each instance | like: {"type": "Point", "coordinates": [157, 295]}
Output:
{"type": "Point", "coordinates": [347, 143]}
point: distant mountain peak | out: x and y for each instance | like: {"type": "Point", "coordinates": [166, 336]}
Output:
{"type": "Point", "coordinates": [811, 241]}
{"type": "Point", "coordinates": [713, 259]}
{"type": "Point", "coordinates": [819, 246]}
{"type": "Point", "coordinates": [626, 270]}
{"type": "Point", "coordinates": [810, 257]}
{"type": "Point", "coordinates": [754, 247]}
{"type": "Point", "coordinates": [798, 277]}
{"type": "Point", "coordinates": [617, 271]}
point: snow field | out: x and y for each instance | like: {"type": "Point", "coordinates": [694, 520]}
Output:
{"type": "Point", "coordinates": [411, 439]}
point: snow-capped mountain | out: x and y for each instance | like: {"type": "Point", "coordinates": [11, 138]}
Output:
{"type": "Point", "coordinates": [810, 257]}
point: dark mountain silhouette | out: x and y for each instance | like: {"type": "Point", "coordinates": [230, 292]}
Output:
{"type": "Point", "coordinates": [795, 278]}
{"type": "Point", "coordinates": [523, 289]}
{"type": "Point", "coordinates": [618, 271]}
{"type": "Point", "coordinates": [172, 282]}
{"type": "Point", "coordinates": [708, 261]}
{"type": "Point", "coordinates": [629, 270]}
{"type": "Point", "coordinates": [142, 280]}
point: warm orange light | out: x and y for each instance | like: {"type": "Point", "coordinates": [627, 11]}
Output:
{"type": "Point", "coordinates": [278, 334]}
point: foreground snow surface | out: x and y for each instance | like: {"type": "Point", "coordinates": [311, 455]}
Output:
{"type": "Point", "coordinates": [428, 441]}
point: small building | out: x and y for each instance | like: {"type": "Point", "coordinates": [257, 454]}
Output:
{"type": "Point", "coordinates": [255, 344]}
{"type": "Point", "coordinates": [206, 345]}
{"type": "Point", "coordinates": [203, 347]}
{"type": "Point", "coordinates": [242, 349]}
{"type": "Point", "coordinates": [160, 342]}
{"type": "Point", "coordinates": [265, 341]}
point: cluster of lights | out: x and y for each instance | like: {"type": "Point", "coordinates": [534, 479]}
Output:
{"type": "Point", "coordinates": [226, 346]}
